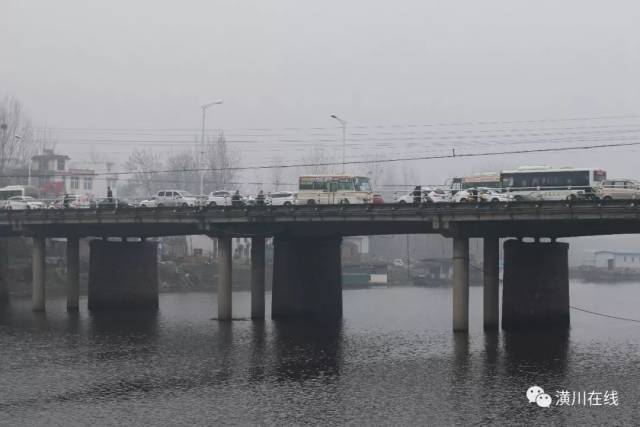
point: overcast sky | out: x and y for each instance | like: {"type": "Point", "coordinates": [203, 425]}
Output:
{"type": "Point", "coordinates": [288, 64]}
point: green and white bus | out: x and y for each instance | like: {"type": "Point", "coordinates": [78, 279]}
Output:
{"type": "Point", "coordinates": [334, 189]}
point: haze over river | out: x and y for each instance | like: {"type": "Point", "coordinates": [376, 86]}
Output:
{"type": "Point", "coordinates": [392, 360]}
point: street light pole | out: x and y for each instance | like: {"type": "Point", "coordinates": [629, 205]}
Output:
{"type": "Point", "coordinates": [343, 123]}
{"type": "Point", "coordinates": [204, 115]}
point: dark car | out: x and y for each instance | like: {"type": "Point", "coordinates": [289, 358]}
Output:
{"type": "Point", "coordinates": [113, 203]}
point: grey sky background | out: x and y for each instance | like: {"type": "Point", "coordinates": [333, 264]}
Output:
{"type": "Point", "coordinates": [120, 73]}
{"type": "Point", "coordinates": [386, 67]}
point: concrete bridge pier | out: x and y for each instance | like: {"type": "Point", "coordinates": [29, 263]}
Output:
{"type": "Point", "coordinates": [38, 273]}
{"type": "Point", "coordinates": [225, 257]}
{"type": "Point", "coordinates": [73, 273]}
{"type": "Point", "coordinates": [123, 275]}
{"type": "Point", "coordinates": [460, 284]}
{"type": "Point", "coordinates": [257, 277]}
{"type": "Point", "coordinates": [535, 285]}
{"type": "Point", "coordinates": [4, 271]}
{"type": "Point", "coordinates": [491, 291]}
{"type": "Point", "coordinates": [307, 278]}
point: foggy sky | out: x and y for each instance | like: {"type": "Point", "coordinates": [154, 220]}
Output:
{"type": "Point", "coordinates": [284, 64]}
{"type": "Point", "coordinates": [288, 64]}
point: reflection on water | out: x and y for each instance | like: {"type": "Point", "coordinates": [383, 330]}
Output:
{"type": "Point", "coordinates": [392, 360]}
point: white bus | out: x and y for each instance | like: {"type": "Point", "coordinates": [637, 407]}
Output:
{"type": "Point", "coordinates": [334, 189]}
{"type": "Point", "coordinates": [549, 183]}
{"type": "Point", "coordinates": [18, 190]}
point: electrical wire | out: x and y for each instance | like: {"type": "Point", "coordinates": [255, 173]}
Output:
{"type": "Point", "coordinates": [453, 155]}
{"type": "Point", "coordinates": [604, 315]}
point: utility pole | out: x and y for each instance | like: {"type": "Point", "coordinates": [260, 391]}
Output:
{"type": "Point", "coordinates": [201, 162]}
{"type": "Point", "coordinates": [343, 123]}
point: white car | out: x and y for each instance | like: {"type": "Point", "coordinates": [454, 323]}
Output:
{"type": "Point", "coordinates": [429, 195]}
{"type": "Point", "coordinates": [148, 203]}
{"type": "Point", "coordinates": [175, 198]}
{"type": "Point", "coordinates": [474, 195]}
{"type": "Point", "coordinates": [225, 198]}
{"type": "Point", "coordinates": [18, 203]}
{"type": "Point", "coordinates": [282, 198]}
{"type": "Point", "coordinates": [220, 198]}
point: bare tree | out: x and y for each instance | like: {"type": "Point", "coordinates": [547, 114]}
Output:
{"type": "Point", "coordinates": [18, 141]}
{"type": "Point", "coordinates": [183, 172]}
{"type": "Point", "coordinates": [220, 160]}
{"type": "Point", "coordinates": [276, 174]}
{"type": "Point", "coordinates": [144, 180]}
{"type": "Point", "coordinates": [318, 162]}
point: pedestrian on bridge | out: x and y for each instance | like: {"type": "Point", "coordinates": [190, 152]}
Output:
{"type": "Point", "coordinates": [109, 194]}
{"type": "Point", "coordinates": [417, 195]}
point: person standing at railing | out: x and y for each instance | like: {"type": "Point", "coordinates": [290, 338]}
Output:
{"type": "Point", "coordinates": [260, 198]}
{"type": "Point", "coordinates": [417, 195]}
{"type": "Point", "coordinates": [109, 194]}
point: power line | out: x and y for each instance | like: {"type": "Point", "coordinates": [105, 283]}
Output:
{"type": "Point", "coordinates": [604, 315]}
{"type": "Point", "coordinates": [439, 124]}
{"type": "Point", "coordinates": [357, 162]}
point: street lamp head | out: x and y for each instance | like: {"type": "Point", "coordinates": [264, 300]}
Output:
{"type": "Point", "coordinates": [205, 106]}
{"type": "Point", "coordinates": [17, 137]}
{"type": "Point", "coordinates": [342, 122]}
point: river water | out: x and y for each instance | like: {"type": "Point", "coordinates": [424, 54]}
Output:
{"type": "Point", "coordinates": [392, 360]}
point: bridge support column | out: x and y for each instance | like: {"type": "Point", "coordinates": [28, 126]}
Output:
{"type": "Point", "coordinates": [225, 257]}
{"type": "Point", "coordinates": [37, 260]}
{"type": "Point", "coordinates": [536, 285]}
{"type": "Point", "coordinates": [257, 277]}
{"type": "Point", "coordinates": [73, 273]}
{"type": "Point", "coordinates": [460, 284]}
{"type": "Point", "coordinates": [307, 278]}
{"type": "Point", "coordinates": [123, 275]}
{"type": "Point", "coordinates": [491, 292]}
{"type": "Point", "coordinates": [4, 270]}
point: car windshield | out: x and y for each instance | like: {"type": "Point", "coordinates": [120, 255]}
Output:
{"type": "Point", "coordinates": [184, 193]}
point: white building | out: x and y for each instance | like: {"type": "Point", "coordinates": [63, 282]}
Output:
{"type": "Point", "coordinates": [612, 260]}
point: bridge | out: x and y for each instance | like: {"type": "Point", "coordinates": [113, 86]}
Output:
{"type": "Point", "coordinates": [307, 239]}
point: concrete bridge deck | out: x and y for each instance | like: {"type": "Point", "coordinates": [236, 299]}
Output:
{"type": "Point", "coordinates": [521, 219]}
{"type": "Point", "coordinates": [307, 241]}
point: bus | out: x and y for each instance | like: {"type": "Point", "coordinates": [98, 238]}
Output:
{"type": "Point", "coordinates": [486, 180]}
{"type": "Point", "coordinates": [549, 183]}
{"type": "Point", "coordinates": [334, 189]}
{"type": "Point", "coordinates": [18, 190]}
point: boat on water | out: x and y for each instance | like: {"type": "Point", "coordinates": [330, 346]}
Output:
{"type": "Point", "coordinates": [362, 276]}
{"type": "Point", "coordinates": [438, 272]}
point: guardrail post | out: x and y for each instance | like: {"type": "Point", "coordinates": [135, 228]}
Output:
{"type": "Point", "coordinates": [73, 273]}
{"type": "Point", "coordinates": [38, 266]}
{"type": "Point", "coordinates": [460, 284]}
{"type": "Point", "coordinates": [257, 277]}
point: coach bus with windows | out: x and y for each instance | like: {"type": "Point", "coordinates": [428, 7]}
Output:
{"type": "Point", "coordinates": [549, 183]}
{"type": "Point", "coordinates": [18, 190]}
{"type": "Point", "coordinates": [334, 189]}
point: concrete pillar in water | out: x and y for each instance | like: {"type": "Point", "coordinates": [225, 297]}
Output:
{"type": "Point", "coordinates": [4, 270]}
{"type": "Point", "coordinates": [491, 293]}
{"type": "Point", "coordinates": [460, 284]}
{"type": "Point", "coordinates": [307, 278]}
{"type": "Point", "coordinates": [225, 257]}
{"type": "Point", "coordinates": [73, 273]}
{"type": "Point", "coordinates": [123, 275]}
{"type": "Point", "coordinates": [257, 277]}
{"type": "Point", "coordinates": [535, 291]}
{"type": "Point", "coordinates": [37, 259]}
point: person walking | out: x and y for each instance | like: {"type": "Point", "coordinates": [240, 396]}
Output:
{"type": "Point", "coordinates": [417, 195]}
{"type": "Point", "coordinates": [109, 194]}
{"type": "Point", "coordinates": [260, 198]}
{"type": "Point", "coordinates": [236, 200]}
